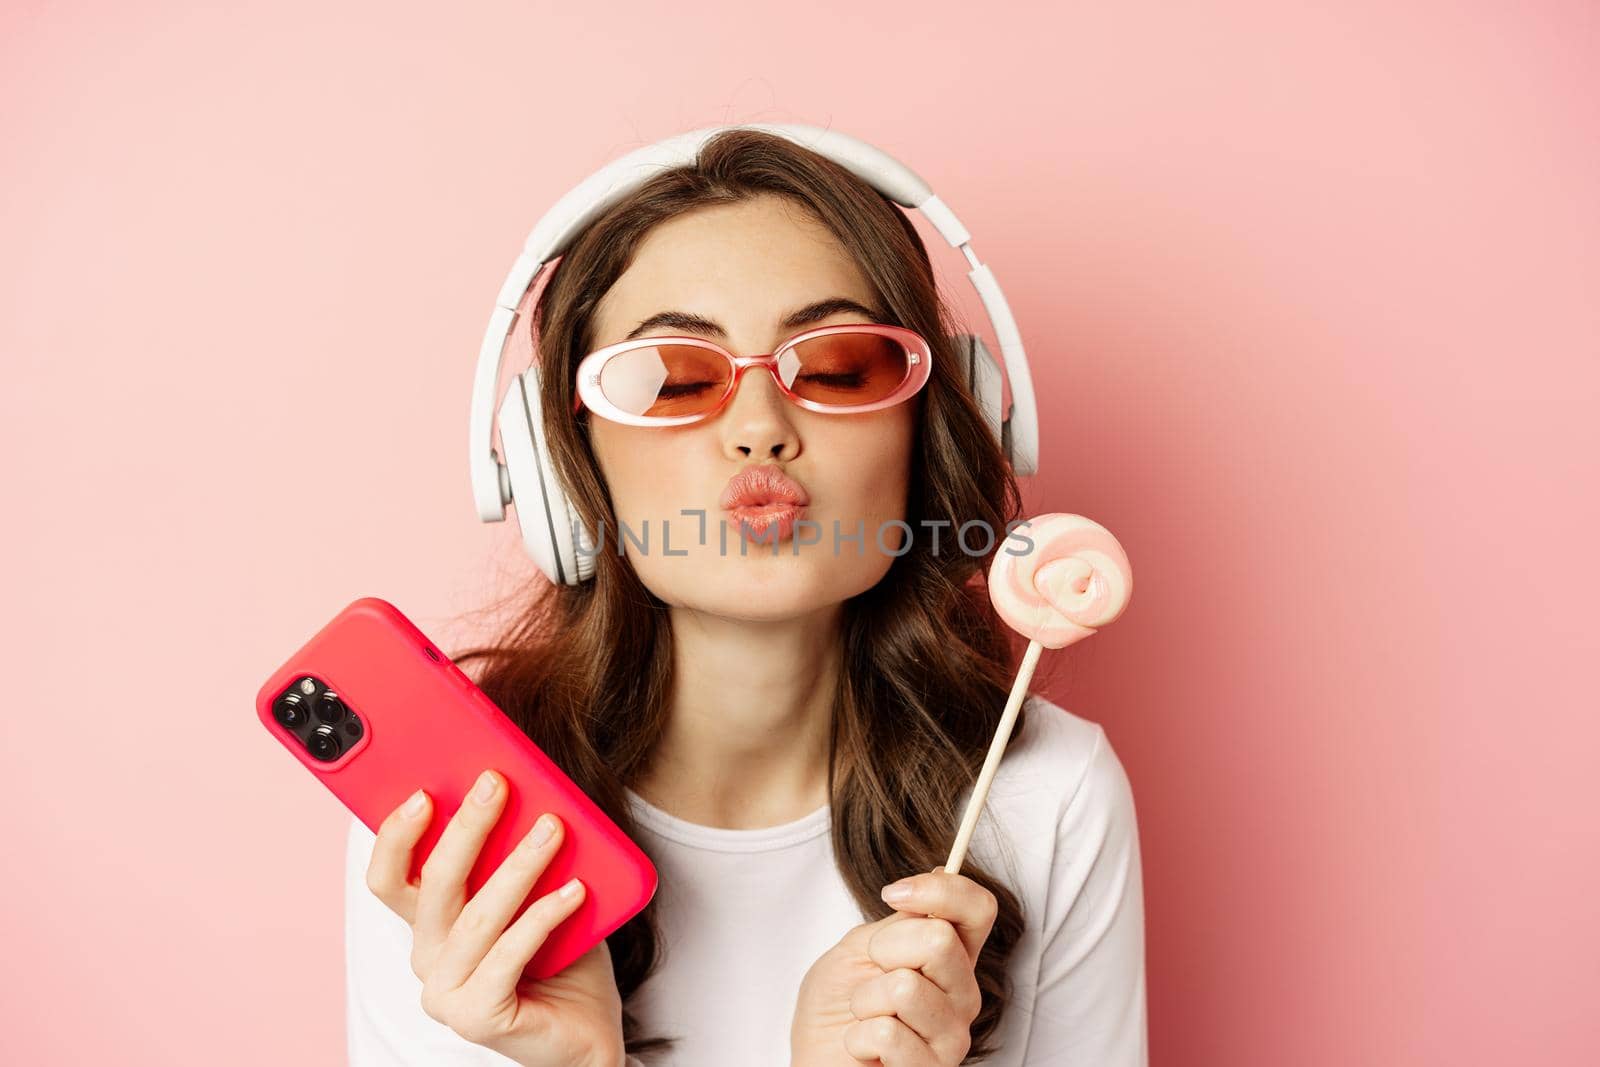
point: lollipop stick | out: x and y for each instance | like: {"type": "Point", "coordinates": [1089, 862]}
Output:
{"type": "Point", "coordinates": [997, 748]}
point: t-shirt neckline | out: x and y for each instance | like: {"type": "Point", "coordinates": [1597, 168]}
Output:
{"type": "Point", "coordinates": [724, 839]}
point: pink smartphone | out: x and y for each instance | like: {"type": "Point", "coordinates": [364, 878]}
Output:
{"type": "Point", "coordinates": [375, 711]}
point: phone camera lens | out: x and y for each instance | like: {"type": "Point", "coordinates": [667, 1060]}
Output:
{"type": "Point", "coordinates": [324, 743]}
{"type": "Point", "coordinates": [329, 707]}
{"type": "Point", "coordinates": [290, 710]}
{"type": "Point", "coordinates": [352, 728]}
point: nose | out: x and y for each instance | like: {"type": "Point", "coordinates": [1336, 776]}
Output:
{"type": "Point", "coordinates": [757, 421]}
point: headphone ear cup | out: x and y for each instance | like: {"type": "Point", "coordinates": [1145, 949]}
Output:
{"type": "Point", "coordinates": [527, 484]}
{"type": "Point", "coordinates": [567, 533]}
{"type": "Point", "coordinates": [585, 550]}
{"type": "Point", "coordinates": [982, 374]}
{"type": "Point", "coordinates": [550, 529]}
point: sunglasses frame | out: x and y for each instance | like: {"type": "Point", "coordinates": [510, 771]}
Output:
{"type": "Point", "coordinates": [919, 369]}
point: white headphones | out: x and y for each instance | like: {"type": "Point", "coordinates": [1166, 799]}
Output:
{"type": "Point", "coordinates": [551, 530]}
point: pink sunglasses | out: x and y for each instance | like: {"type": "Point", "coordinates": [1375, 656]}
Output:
{"type": "Point", "coordinates": [674, 381]}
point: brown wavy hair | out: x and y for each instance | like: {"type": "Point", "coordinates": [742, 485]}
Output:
{"type": "Point", "coordinates": [926, 665]}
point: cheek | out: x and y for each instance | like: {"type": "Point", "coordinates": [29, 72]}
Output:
{"type": "Point", "coordinates": [878, 461]}
{"type": "Point", "coordinates": [647, 472]}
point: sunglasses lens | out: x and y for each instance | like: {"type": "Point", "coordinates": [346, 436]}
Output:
{"type": "Point", "coordinates": [845, 370]}
{"type": "Point", "coordinates": [665, 380]}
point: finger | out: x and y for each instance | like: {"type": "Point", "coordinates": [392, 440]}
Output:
{"type": "Point", "coordinates": [933, 947]}
{"type": "Point", "coordinates": [389, 869]}
{"type": "Point", "coordinates": [485, 916]}
{"type": "Point", "coordinates": [888, 1040]}
{"type": "Point", "coordinates": [911, 997]}
{"type": "Point", "coordinates": [502, 968]}
{"type": "Point", "coordinates": [968, 906]}
{"type": "Point", "coordinates": [443, 889]}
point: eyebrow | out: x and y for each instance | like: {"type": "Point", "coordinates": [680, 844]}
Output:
{"type": "Point", "coordinates": [683, 320]}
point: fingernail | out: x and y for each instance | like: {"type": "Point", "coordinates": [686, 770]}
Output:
{"type": "Point", "coordinates": [570, 890]}
{"type": "Point", "coordinates": [483, 792]}
{"type": "Point", "coordinates": [543, 830]}
{"type": "Point", "coordinates": [897, 893]}
{"type": "Point", "coordinates": [415, 803]}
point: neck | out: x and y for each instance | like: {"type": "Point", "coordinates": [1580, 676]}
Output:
{"type": "Point", "coordinates": [746, 742]}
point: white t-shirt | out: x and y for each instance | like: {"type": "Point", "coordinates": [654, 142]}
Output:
{"type": "Point", "coordinates": [744, 914]}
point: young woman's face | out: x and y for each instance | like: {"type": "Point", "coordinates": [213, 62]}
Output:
{"type": "Point", "coordinates": [746, 267]}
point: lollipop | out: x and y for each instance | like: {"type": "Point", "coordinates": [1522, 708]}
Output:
{"type": "Point", "coordinates": [1074, 580]}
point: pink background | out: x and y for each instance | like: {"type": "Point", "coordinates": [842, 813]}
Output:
{"type": "Point", "coordinates": [1309, 293]}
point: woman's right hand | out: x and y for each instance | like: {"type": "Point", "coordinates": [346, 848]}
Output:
{"type": "Point", "coordinates": [471, 962]}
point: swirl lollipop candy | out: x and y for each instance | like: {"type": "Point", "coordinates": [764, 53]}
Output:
{"type": "Point", "coordinates": [1074, 580]}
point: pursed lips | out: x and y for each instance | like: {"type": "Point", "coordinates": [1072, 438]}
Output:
{"type": "Point", "coordinates": [758, 497]}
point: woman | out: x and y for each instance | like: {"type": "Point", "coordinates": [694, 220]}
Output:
{"type": "Point", "coordinates": [788, 720]}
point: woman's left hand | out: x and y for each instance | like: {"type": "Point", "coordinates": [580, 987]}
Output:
{"type": "Point", "coordinates": [910, 994]}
